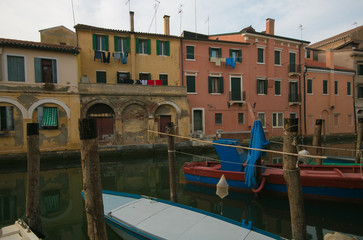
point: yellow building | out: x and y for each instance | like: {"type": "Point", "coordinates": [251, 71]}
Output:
{"type": "Point", "coordinates": [130, 82]}
{"type": "Point", "coordinates": [38, 84]}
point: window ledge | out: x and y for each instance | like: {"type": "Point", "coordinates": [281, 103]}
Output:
{"type": "Point", "coordinates": [193, 60]}
{"type": "Point", "coordinates": [231, 102]}
{"type": "Point", "coordinates": [6, 133]}
{"type": "Point", "coordinates": [192, 93]}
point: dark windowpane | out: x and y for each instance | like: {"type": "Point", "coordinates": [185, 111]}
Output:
{"type": "Point", "coordinates": [277, 58]}
{"type": "Point", "coordinates": [325, 86]}
{"type": "Point", "coordinates": [310, 86]}
{"type": "Point", "coordinates": [218, 118]}
{"type": "Point", "coordinates": [190, 52]}
{"type": "Point", "coordinates": [164, 79]}
{"type": "Point", "coordinates": [360, 69]}
{"type": "Point", "coordinates": [260, 57]}
{"type": "Point", "coordinates": [191, 84]}
{"type": "Point", "coordinates": [101, 77]}
{"type": "Point", "coordinates": [349, 89]}
{"type": "Point", "coordinates": [241, 118]}
{"type": "Point", "coordinates": [277, 87]}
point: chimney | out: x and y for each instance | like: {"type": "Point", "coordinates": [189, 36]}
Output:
{"type": "Point", "coordinates": [166, 25]}
{"type": "Point", "coordinates": [329, 59]}
{"type": "Point", "coordinates": [132, 21]}
{"type": "Point", "coordinates": [270, 26]}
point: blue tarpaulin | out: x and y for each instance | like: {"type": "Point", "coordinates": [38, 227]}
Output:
{"type": "Point", "coordinates": [231, 158]}
{"type": "Point", "coordinates": [258, 140]}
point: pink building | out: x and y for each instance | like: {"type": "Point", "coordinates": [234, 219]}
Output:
{"type": "Point", "coordinates": [328, 96]}
{"type": "Point", "coordinates": [235, 78]}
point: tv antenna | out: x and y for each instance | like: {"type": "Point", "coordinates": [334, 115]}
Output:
{"type": "Point", "coordinates": [128, 2]}
{"type": "Point", "coordinates": [180, 11]}
{"type": "Point", "coordinates": [207, 21]}
{"type": "Point", "coordinates": [156, 6]}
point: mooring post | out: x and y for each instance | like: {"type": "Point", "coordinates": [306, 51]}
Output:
{"type": "Point", "coordinates": [92, 180]}
{"type": "Point", "coordinates": [292, 178]}
{"type": "Point", "coordinates": [317, 139]}
{"type": "Point", "coordinates": [359, 140]}
{"type": "Point", "coordinates": [33, 166]}
{"type": "Point", "coordinates": [171, 157]}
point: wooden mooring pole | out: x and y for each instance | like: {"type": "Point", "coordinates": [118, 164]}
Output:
{"type": "Point", "coordinates": [317, 140]}
{"type": "Point", "coordinates": [171, 157]}
{"type": "Point", "coordinates": [33, 166]}
{"type": "Point", "coordinates": [359, 140]}
{"type": "Point", "coordinates": [92, 180]}
{"type": "Point", "coordinates": [292, 179]}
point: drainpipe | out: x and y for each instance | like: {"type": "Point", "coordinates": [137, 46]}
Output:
{"type": "Point", "coordinates": [300, 47]}
{"type": "Point", "coordinates": [354, 111]}
{"type": "Point", "coordinates": [304, 103]}
{"type": "Point", "coordinates": [182, 62]}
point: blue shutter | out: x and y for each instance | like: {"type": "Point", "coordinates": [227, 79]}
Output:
{"type": "Point", "coordinates": [38, 70]}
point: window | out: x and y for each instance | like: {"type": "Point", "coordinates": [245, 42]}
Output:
{"type": "Point", "coordinates": [360, 69]}
{"type": "Point", "coordinates": [307, 53]}
{"type": "Point", "coordinates": [262, 118]}
{"type": "Point", "coordinates": [123, 77]}
{"type": "Point", "coordinates": [260, 55]}
{"type": "Point", "coordinates": [278, 120]}
{"type": "Point", "coordinates": [336, 87]}
{"type": "Point", "coordinates": [292, 62]}
{"type": "Point", "coordinates": [277, 57]}
{"type": "Point", "coordinates": [349, 88]}
{"type": "Point", "coordinates": [164, 79]}
{"type": "Point", "coordinates": [315, 55]}
{"type": "Point", "coordinates": [144, 76]}
{"type": "Point", "coordinates": [191, 84]}
{"type": "Point", "coordinates": [325, 86]}
{"type": "Point", "coordinates": [100, 42]}
{"type": "Point", "coordinates": [190, 52]}
{"type": "Point", "coordinates": [360, 91]}
{"type": "Point", "coordinates": [262, 86]}
{"type": "Point", "coordinates": [122, 44]}
{"type": "Point", "coordinates": [241, 118]}
{"type": "Point", "coordinates": [6, 118]}
{"type": "Point", "coordinates": [215, 84]}
{"type": "Point", "coordinates": [310, 86]}
{"type": "Point", "coordinates": [218, 118]}
{"type": "Point", "coordinates": [100, 77]}
{"type": "Point", "coordinates": [294, 92]}
{"type": "Point", "coordinates": [48, 117]}
{"type": "Point", "coordinates": [236, 53]}
{"type": "Point", "coordinates": [293, 115]}
{"type": "Point", "coordinates": [45, 70]}
{"type": "Point", "coordinates": [277, 87]}
{"type": "Point", "coordinates": [143, 46]}
{"type": "Point", "coordinates": [215, 52]}
{"type": "Point", "coordinates": [16, 69]}
{"type": "Point", "coordinates": [162, 48]}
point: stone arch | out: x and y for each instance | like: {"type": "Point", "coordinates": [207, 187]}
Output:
{"type": "Point", "coordinates": [89, 104]}
{"type": "Point", "coordinates": [104, 115]}
{"type": "Point", "coordinates": [22, 109]}
{"type": "Point", "coordinates": [138, 102]}
{"type": "Point", "coordinates": [164, 112]}
{"type": "Point", "coordinates": [166, 102]}
{"type": "Point", "coordinates": [49, 100]}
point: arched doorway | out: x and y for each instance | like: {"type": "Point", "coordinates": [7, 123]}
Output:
{"type": "Point", "coordinates": [104, 116]}
{"type": "Point", "coordinates": [163, 115]}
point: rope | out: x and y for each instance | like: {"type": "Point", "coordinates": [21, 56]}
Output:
{"type": "Point", "coordinates": [329, 148]}
{"type": "Point", "coordinates": [242, 147]}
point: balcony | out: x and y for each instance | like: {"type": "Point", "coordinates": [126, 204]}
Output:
{"type": "Point", "coordinates": [294, 99]}
{"type": "Point", "coordinates": [237, 98]}
{"type": "Point", "coordinates": [294, 69]}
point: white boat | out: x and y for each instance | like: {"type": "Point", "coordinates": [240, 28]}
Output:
{"type": "Point", "coordinates": [18, 231]}
{"type": "Point", "coordinates": [140, 217]}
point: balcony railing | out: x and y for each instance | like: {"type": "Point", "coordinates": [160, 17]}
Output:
{"type": "Point", "coordinates": [237, 98]}
{"type": "Point", "coordinates": [294, 98]}
{"type": "Point", "coordinates": [294, 69]}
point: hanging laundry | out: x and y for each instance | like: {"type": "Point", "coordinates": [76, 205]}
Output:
{"type": "Point", "coordinates": [104, 58]}
{"type": "Point", "coordinates": [150, 82]}
{"type": "Point", "coordinates": [228, 62]}
{"type": "Point", "coordinates": [158, 82]}
{"type": "Point", "coordinates": [124, 57]}
{"type": "Point", "coordinates": [234, 60]}
{"type": "Point", "coordinates": [144, 82]}
{"type": "Point", "coordinates": [116, 56]}
{"type": "Point", "coordinates": [97, 55]}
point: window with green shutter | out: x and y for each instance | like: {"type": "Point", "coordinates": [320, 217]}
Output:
{"type": "Point", "coordinates": [262, 86]}
{"type": "Point", "coordinates": [277, 88]}
{"type": "Point", "coordinates": [260, 55]}
{"type": "Point", "coordinates": [191, 84]}
{"type": "Point", "coordinates": [16, 68]}
{"type": "Point", "coordinates": [215, 52]}
{"type": "Point", "coordinates": [162, 48]}
{"type": "Point", "coordinates": [190, 52]}
{"type": "Point", "coordinates": [123, 77]}
{"type": "Point", "coordinates": [164, 79]}
{"type": "Point", "coordinates": [325, 87]}
{"type": "Point", "coordinates": [236, 53]}
{"type": "Point", "coordinates": [215, 84]}
{"type": "Point", "coordinates": [309, 86]}
{"type": "Point", "coordinates": [45, 70]}
{"type": "Point", "coordinates": [100, 42]}
{"type": "Point", "coordinates": [143, 46]}
{"type": "Point", "coordinates": [277, 57]}
{"type": "Point", "coordinates": [122, 44]}
{"type": "Point", "coordinates": [48, 117]}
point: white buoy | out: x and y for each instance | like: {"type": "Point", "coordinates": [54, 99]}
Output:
{"type": "Point", "coordinates": [222, 187]}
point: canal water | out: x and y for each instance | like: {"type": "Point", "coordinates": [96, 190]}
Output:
{"type": "Point", "coordinates": [62, 207]}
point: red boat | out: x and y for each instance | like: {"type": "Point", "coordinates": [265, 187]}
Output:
{"type": "Point", "coordinates": [324, 182]}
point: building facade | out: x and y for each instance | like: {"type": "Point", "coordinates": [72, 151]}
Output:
{"type": "Point", "coordinates": [38, 85]}
{"type": "Point", "coordinates": [130, 83]}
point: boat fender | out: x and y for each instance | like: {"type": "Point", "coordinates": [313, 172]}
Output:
{"type": "Point", "coordinates": [248, 226]}
{"type": "Point", "coordinates": [259, 189]}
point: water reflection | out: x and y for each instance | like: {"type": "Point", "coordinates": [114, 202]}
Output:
{"type": "Point", "coordinates": [62, 209]}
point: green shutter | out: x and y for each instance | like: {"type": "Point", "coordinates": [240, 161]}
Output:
{"type": "Point", "coordinates": [168, 48]}
{"type": "Point", "coordinates": [148, 76]}
{"type": "Point", "coordinates": [94, 41]}
{"type": "Point", "coordinates": [128, 75]}
{"type": "Point", "coordinates": [239, 56]}
{"type": "Point", "coordinates": [128, 44]}
{"type": "Point", "coordinates": [157, 47]}
{"type": "Point", "coordinates": [148, 46]}
{"type": "Point", "coordinates": [210, 52]}
{"type": "Point", "coordinates": [140, 76]}
{"type": "Point", "coordinates": [221, 84]}
{"type": "Point", "coordinates": [209, 84]}
{"type": "Point", "coordinates": [38, 70]}
{"type": "Point", "coordinates": [54, 70]}
{"type": "Point", "coordinates": [50, 117]}
{"type": "Point", "coordinates": [106, 42]}
{"type": "Point", "coordinates": [115, 40]}
{"type": "Point", "coordinates": [265, 87]}
{"type": "Point", "coordinates": [220, 52]}
{"type": "Point", "coordinates": [137, 45]}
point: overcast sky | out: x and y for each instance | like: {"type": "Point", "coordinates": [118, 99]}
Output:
{"type": "Point", "coordinates": [320, 19]}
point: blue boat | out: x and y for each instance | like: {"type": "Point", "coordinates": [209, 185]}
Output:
{"type": "Point", "coordinates": [140, 217]}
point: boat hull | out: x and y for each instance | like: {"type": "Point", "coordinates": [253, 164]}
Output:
{"type": "Point", "coordinates": [339, 183]}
